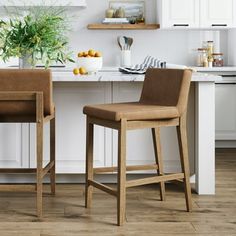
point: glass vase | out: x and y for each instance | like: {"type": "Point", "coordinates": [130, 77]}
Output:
{"type": "Point", "coordinates": [24, 62]}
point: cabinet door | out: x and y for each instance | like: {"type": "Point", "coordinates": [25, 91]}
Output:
{"type": "Point", "coordinates": [180, 13]}
{"type": "Point", "coordinates": [217, 13]}
{"type": "Point", "coordinates": [14, 145]}
{"type": "Point", "coordinates": [225, 112]}
{"type": "Point", "coordinates": [71, 127]}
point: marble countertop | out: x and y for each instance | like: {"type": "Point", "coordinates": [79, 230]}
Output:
{"type": "Point", "coordinates": [216, 69]}
{"type": "Point", "coordinates": [113, 75]}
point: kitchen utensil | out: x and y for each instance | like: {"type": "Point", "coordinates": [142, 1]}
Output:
{"type": "Point", "coordinates": [126, 43]}
{"type": "Point", "coordinates": [118, 41]}
{"type": "Point", "coordinates": [130, 42]}
{"type": "Point", "coordinates": [121, 42]}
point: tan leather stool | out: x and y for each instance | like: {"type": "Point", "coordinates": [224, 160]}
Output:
{"type": "Point", "coordinates": [26, 97]}
{"type": "Point", "coordinates": [163, 103]}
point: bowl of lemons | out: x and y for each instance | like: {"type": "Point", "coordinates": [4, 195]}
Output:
{"type": "Point", "coordinates": [89, 61]}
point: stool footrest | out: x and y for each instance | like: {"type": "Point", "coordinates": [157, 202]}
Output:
{"type": "Point", "coordinates": [17, 187]}
{"type": "Point", "coordinates": [17, 170]}
{"type": "Point", "coordinates": [102, 187]}
{"type": "Point", "coordinates": [128, 168]}
{"type": "Point", "coordinates": [45, 170]}
{"type": "Point", "coordinates": [155, 179]}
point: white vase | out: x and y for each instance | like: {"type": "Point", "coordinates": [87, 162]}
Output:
{"type": "Point", "coordinates": [24, 62]}
{"type": "Point", "coordinates": [125, 58]}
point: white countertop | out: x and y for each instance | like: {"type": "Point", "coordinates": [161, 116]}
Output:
{"type": "Point", "coordinates": [216, 69]}
{"type": "Point", "coordinates": [113, 75]}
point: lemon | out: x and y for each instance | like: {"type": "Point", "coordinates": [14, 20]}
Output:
{"type": "Point", "coordinates": [80, 54]}
{"type": "Point", "coordinates": [82, 71]}
{"type": "Point", "coordinates": [85, 54]}
{"type": "Point", "coordinates": [76, 71]}
{"type": "Point", "coordinates": [91, 52]}
{"type": "Point", "coordinates": [98, 54]}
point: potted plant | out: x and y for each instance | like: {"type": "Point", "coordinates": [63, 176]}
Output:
{"type": "Point", "coordinates": [38, 37]}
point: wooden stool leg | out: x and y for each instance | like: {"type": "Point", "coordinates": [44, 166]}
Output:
{"type": "Point", "coordinates": [39, 169]}
{"type": "Point", "coordinates": [121, 197]}
{"type": "Point", "coordinates": [183, 147]}
{"type": "Point", "coordinates": [158, 156]}
{"type": "Point", "coordinates": [89, 163]}
{"type": "Point", "coordinates": [52, 156]}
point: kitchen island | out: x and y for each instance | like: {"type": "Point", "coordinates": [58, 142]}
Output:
{"type": "Point", "coordinates": [201, 122]}
{"type": "Point", "coordinates": [71, 93]}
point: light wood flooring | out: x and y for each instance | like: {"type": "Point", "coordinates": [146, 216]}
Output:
{"type": "Point", "coordinates": [65, 214]}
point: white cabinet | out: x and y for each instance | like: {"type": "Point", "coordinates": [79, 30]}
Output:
{"type": "Point", "coordinates": [196, 13]}
{"type": "Point", "coordinates": [225, 111]}
{"type": "Point", "coordinates": [71, 127]}
{"type": "Point", "coordinates": [14, 141]}
{"type": "Point", "coordinates": [178, 13]}
{"type": "Point", "coordinates": [217, 13]}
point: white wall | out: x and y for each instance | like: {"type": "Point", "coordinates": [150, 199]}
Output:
{"type": "Point", "coordinates": [173, 46]}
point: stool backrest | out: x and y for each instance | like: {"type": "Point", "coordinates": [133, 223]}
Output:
{"type": "Point", "coordinates": [26, 80]}
{"type": "Point", "coordinates": [167, 87]}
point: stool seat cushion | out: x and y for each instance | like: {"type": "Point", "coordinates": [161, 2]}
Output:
{"type": "Point", "coordinates": [25, 80]}
{"type": "Point", "coordinates": [131, 111]}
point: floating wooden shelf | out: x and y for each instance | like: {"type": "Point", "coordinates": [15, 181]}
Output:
{"type": "Point", "coordinates": [123, 26]}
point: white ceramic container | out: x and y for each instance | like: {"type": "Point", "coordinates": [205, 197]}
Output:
{"type": "Point", "coordinates": [91, 64]}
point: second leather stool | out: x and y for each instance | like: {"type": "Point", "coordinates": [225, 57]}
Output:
{"type": "Point", "coordinates": [163, 103]}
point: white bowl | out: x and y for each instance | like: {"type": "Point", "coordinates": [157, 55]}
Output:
{"type": "Point", "coordinates": [91, 64]}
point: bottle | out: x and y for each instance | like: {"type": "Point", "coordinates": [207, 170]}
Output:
{"type": "Point", "coordinates": [210, 48]}
{"type": "Point", "coordinates": [210, 62]}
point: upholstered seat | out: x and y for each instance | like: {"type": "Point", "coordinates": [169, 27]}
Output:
{"type": "Point", "coordinates": [25, 80]}
{"type": "Point", "coordinates": [131, 111]}
{"type": "Point", "coordinates": [162, 98]}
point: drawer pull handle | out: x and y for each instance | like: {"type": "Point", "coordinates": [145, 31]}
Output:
{"type": "Point", "coordinates": [217, 25]}
{"type": "Point", "coordinates": [226, 83]}
{"type": "Point", "coordinates": [228, 76]}
{"type": "Point", "coordinates": [183, 25]}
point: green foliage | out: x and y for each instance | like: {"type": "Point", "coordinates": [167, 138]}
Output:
{"type": "Point", "coordinates": [41, 34]}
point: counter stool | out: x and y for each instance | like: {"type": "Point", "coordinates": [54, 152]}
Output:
{"type": "Point", "coordinates": [26, 97]}
{"type": "Point", "coordinates": [163, 103]}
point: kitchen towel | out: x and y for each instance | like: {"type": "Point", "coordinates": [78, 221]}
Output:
{"type": "Point", "coordinates": [149, 62]}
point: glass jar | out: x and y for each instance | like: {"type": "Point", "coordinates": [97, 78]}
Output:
{"type": "Point", "coordinates": [201, 57]}
{"type": "Point", "coordinates": [210, 48]}
{"type": "Point", "coordinates": [218, 60]}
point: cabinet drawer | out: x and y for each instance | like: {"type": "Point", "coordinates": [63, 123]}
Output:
{"type": "Point", "coordinates": [225, 111]}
